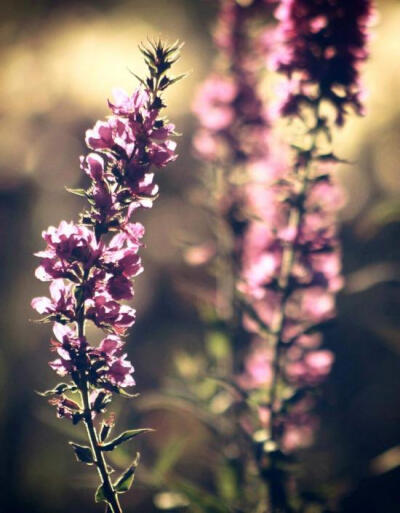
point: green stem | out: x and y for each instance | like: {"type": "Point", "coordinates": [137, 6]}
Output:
{"type": "Point", "coordinates": [108, 489]}
{"type": "Point", "coordinates": [276, 485]}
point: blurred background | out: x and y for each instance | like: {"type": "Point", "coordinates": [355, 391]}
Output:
{"type": "Point", "coordinates": [60, 61]}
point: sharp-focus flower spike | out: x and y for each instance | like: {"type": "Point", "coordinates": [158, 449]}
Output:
{"type": "Point", "coordinates": [91, 264]}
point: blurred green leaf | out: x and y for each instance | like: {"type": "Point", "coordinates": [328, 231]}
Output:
{"type": "Point", "coordinates": [201, 500]}
{"type": "Point", "coordinates": [227, 482]}
{"type": "Point", "coordinates": [218, 345]}
{"type": "Point", "coordinates": [168, 456]}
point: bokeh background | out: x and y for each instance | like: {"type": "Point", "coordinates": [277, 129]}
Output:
{"type": "Point", "coordinates": [59, 62]}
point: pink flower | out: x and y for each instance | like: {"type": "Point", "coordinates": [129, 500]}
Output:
{"type": "Point", "coordinates": [257, 367]}
{"type": "Point", "coordinates": [109, 314]}
{"type": "Point", "coordinates": [69, 247]}
{"type": "Point", "coordinates": [113, 134]}
{"type": "Point", "coordinates": [324, 42]}
{"type": "Point", "coordinates": [61, 301]}
{"type": "Point", "coordinates": [125, 105]}
{"type": "Point", "coordinates": [213, 102]}
{"type": "Point", "coordinates": [120, 372]}
{"type": "Point", "coordinates": [93, 165]}
{"type": "Point", "coordinates": [110, 345]}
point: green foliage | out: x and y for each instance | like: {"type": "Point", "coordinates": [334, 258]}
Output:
{"type": "Point", "coordinates": [83, 453]}
{"type": "Point", "coordinates": [58, 390]}
{"type": "Point", "coordinates": [105, 430]}
{"type": "Point", "coordinates": [124, 437]}
{"type": "Point", "coordinates": [168, 457]}
{"type": "Point", "coordinates": [200, 500]}
{"type": "Point", "coordinates": [77, 192]}
{"type": "Point", "coordinates": [227, 482]}
{"type": "Point", "coordinates": [218, 345]}
{"type": "Point", "coordinates": [99, 495]}
{"type": "Point", "coordinates": [119, 391]}
{"type": "Point", "coordinates": [126, 480]}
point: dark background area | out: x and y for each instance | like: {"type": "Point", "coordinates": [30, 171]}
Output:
{"type": "Point", "coordinates": [60, 61]}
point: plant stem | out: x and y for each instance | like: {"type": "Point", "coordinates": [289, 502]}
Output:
{"type": "Point", "coordinates": [109, 492]}
{"type": "Point", "coordinates": [276, 478]}
{"type": "Point", "coordinates": [108, 489]}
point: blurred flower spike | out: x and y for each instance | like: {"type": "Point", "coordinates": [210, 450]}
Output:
{"type": "Point", "coordinates": [279, 266]}
{"type": "Point", "coordinates": [91, 264]}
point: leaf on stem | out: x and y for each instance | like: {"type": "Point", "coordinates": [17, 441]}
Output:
{"type": "Point", "coordinates": [119, 390]}
{"type": "Point", "coordinates": [77, 192]}
{"type": "Point", "coordinates": [58, 390]}
{"type": "Point", "coordinates": [99, 495]}
{"type": "Point", "coordinates": [124, 437]}
{"type": "Point", "coordinates": [125, 481]}
{"type": "Point", "coordinates": [83, 453]}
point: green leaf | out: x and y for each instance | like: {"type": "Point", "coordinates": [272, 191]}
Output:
{"type": "Point", "coordinates": [227, 482]}
{"type": "Point", "coordinates": [125, 481]}
{"type": "Point", "coordinates": [99, 495]}
{"type": "Point", "coordinates": [58, 390]}
{"type": "Point", "coordinates": [124, 437]}
{"type": "Point", "coordinates": [105, 431]}
{"type": "Point", "coordinates": [168, 456]}
{"type": "Point", "coordinates": [218, 345]}
{"type": "Point", "coordinates": [83, 453]}
{"type": "Point", "coordinates": [77, 192]}
{"type": "Point", "coordinates": [173, 80]}
{"type": "Point", "coordinates": [137, 77]}
{"type": "Point", "coordinates": [119, 390]}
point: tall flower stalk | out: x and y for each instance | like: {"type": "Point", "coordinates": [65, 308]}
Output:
{"type": "Point", "coordinates": [291, 271]}
{"type": "Point", "coordinates": [279, 205]}
{"type": "Point", "coordinates": [90, 265]}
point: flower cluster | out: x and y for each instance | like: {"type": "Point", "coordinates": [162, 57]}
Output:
{"type": "Point", "coordinates": [233, 121]}
{"type": "Point", "coordinates": [307, 297]}
{"type": "Point", "coordinates": [291, 258]}
{"type": "Point", "coordinates": [90, 272]}
{"type": "Point", "coordinates": [125, 147]}
{"type": "Point", "coordinates": [314, 275]}
{"type": "Point", "coordinates": [320, 45]}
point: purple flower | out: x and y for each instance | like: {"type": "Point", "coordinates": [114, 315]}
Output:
{"type": "Point", "coordinates": [120, 372]}
{"type": "Point", "coordinates": [93, 165]}
{"type": "Point", "coordinates": [113, 134]}
{"type": "Point", "coordinates": [70, 350]}
{"type": "Point", "coordinates": [109, 314]}
{"type": "Point", "coordinates": [324, 42]}
{"type": "Point", "coordinates": [70, 248]}
{"type": "Point", "coordinates": [98, 257]}
{"type": "Point", "coordinates": [60, 303]}
{"type": "Point", "coordinates": [125, 105]}
{"type": "Point", "coordinates": [213, 104]}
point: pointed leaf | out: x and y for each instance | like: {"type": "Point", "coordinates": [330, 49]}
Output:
{"type": "Point", "coordinates": [77, 192]}
{"type": "Point", "coordinates": [58, 390]}
{"type": "Point", "coordinates": [125, 481]}
{"type": "Point", "coordinates": [83, 453]}
{"type": "Point", "coordinates": [124, 437]}
{"type": "Point", "coordinates": [99, 495]}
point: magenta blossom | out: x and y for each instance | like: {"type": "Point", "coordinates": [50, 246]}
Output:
{"type": "Point", "coordinates": [324, 42]}
{"type": "Point", "coordinates": [91, 264]}
{"type": "Point", "coordinates": [61, 302]}
{"type": "Point", "coordinates": [71, 249]}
